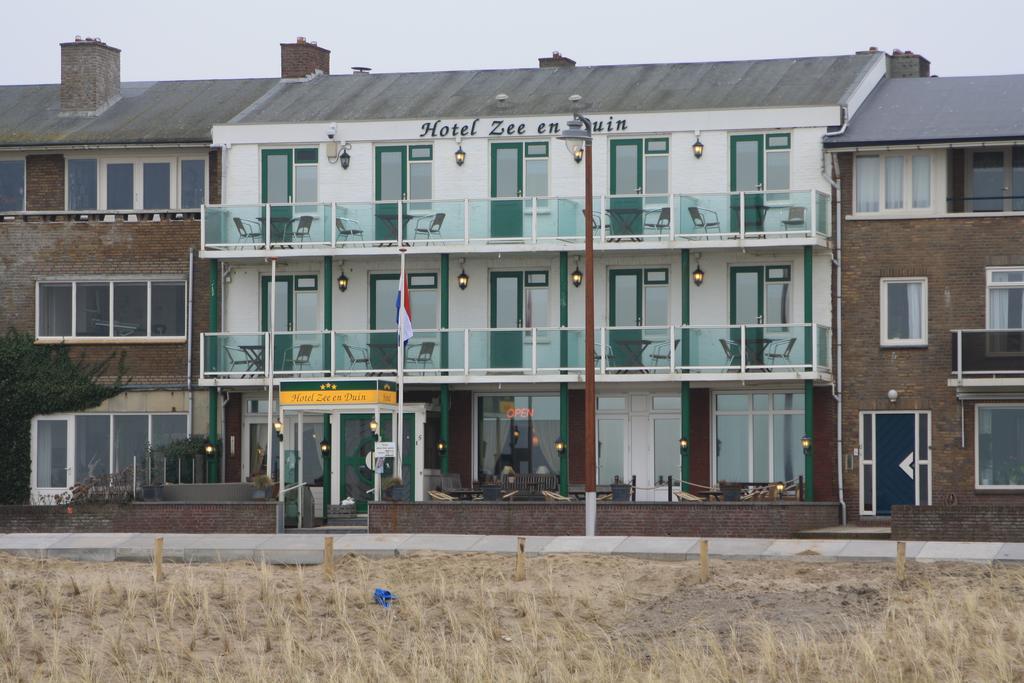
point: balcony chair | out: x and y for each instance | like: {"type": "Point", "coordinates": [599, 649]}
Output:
{"type": "Point", "coordinates": [301, 355]}
{"type": "Point", "coordinates": [779, 350]}
{"type": "Point", "coordinates": [704, 219]}
{"type": "Point", "coordinates": [796, 217]}
{"type": "Point", "coordinates": [348, 227]}
{"type": "Point", "coordinates": [428, 226]}
{"type": "Point", "coordinates": [302, 229]}
{"type": "Point", "coordinates": [248, 230]}
{"type": "Point", "coordinates": [662, 219]}
{"type": "Point", "coordinates": [732, 351]}
{"type": "Point", "coordinates": [424, 355]}
{"type": "Point", "coordinates": [357, 355]}
{"type": "Point", "coordinates": [236, 358]}
{"type": "Point", "coordinates": [660, 353]}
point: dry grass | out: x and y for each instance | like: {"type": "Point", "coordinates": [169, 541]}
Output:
{"type": "Point", "coordinates": [462, 618]}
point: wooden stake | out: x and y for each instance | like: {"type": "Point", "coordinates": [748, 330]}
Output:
{"type": "Point", "coordinates": [901, 561]}
{"type": "Point", "coordinates": [158, 558]}
{"type": "Point", "coordinates": [705, 570]}
{"type": "Point", "coordinates": [329, 557]}
{"type": "Point", "coordinates": [520, 558]}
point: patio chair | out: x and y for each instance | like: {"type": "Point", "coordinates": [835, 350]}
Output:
{"type": "Point", "coordinates": [732, 350]}
{"type": "Point", "coordinates": [704, 219]}
{"type": "Point", "coordinates": [688, 497]}
{"type": "Point", "coordinates": [424, 355]}
{"type": "Point", "coordinates": [302, 230]}
{"type": "Point", "coordinates": [660, 353]}
{"type": "Point", "coordinates": [442, 496]}
{"type": "Point", "coordinates": [796, 217]}
{"type": "Point", "coordinates": [779, 350]}
{"type": "Point", "coordinates": [301, 355]}
{"type": "Point", "coordinates": [357, 355]}
{"type": "Point", "coordinates": [551, 495]}
{"type": "Point", "coordinates": [428, 226]}
{"type": "Point", "coordinates": [348, 227]}
{"type": "Point", "coordinates": [236, 357]}
{"type": "Point", "coordinates": [662, 219]}
{"type": "Point", "coordinates": [248, 230]}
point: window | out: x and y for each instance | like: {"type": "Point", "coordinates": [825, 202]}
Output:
{"type": "Point", "coordinates": [536, 166]}
{"type": "Point", "coordinates": [72, 448]}
{"type": "Point", "coordinates": [517, 431]}
{"type": "Point", "coordinates": [12, 185]}
{"type": "Point", "coordinates": [1005, 289]}
{"type": "Point", "coordinates": [776, 164]}
{"type": "Point", "coordinates": [405, 172]}
{"type": "Point", "coordinates": [424, 300]}
{"type": "Point", "coordinates": [995, 180]}
{"type": "Point", "coordinates": [999, 446]}
{"type": "Point", "coordinates": [535, 301]}
{"type": "Point", "coordinates": [892, 182]}
{"type": "Point", "coordinates": [305, 175]}
{"type": "Point", "coordinates": [757, 437]}
{"type": "Point", "coordinates": [421, 171]}
{"type": "Point", "coordinates": [102, 309]}
{"type": "Point", "coordinates": [904, 311]}
{"type": "Point", "coordinates": [125, 184]}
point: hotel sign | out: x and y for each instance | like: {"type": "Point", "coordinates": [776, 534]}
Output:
{"type": "Point", "coordinates": [495, 128]}
{"type": "Point", "coordinates": [338, 393]}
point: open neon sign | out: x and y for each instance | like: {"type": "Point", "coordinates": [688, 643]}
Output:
{"type": "Point", "coordinates": [512, 413]}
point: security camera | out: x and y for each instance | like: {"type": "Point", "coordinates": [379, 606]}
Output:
{"type": "Point", "coordinates": [332, 130]}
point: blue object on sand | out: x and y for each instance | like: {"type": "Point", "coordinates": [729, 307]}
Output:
{"type": "Point", "coordinates": [384, 597]}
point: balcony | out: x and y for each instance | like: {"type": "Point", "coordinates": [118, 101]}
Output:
{"type": "Point", "coordinates": [633, 221]}
{"type": "Point", "coordinates": [708, 353]}
{"type": "Point", "coordinates": [988, 358]}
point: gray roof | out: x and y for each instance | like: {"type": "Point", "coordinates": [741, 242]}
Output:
{"type": "Point", "coordinates": [610, 89]}
{"type": "Point", "coordinates": [919, 110]}
{"type": "Point", "coordinates": [146, 113]}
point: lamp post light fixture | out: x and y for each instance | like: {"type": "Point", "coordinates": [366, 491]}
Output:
{"type": "Point", "coordinates": [463, 279]}
{"type": "Point", "coordinates": [577, 154]}
{"type": "Point", "coordinates": [577, 275]}
{"type": "Point", "coordinates": [577, 136]}
{"type": "Point", "coordinates": [698, 146]}
{"type": "Point", "coordinates": [698, 274]}
{"type": "Point", "coordinates": [342, 279]}
{"type": "Point", "coordinates": [460, 156]}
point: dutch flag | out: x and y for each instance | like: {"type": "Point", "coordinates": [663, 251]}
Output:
{"type": "Point", "coordinates": [403, 312]}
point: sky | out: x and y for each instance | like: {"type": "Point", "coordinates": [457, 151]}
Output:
{"type": "Point", "coordinates": [191, 39]}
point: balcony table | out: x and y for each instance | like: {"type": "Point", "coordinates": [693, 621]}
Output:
{"type": "Point", "coordinates": [391, 219]}
{"type": "Point", "coordinates": [384, 353]}
{"type": "Point", "coordinates": [625, 222]}
{"type": "Point", "coordinates": [253, 356]}
{"type": "Point", "coordinates": [634, 352]}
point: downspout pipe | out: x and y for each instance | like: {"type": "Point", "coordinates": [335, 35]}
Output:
{"type": "Point", "coordinates": [188, 337]}
{"type": "Point", "coordinates": [833, 178]}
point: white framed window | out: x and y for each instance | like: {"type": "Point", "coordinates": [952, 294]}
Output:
{"type": "Point", "coordinates": [124, 309]}
{"type": "Point", "coordinates": [892, 182]}
{"type": "Point", "coordinates": [999, 446]}
{"type": "Point", "coordinates": [904, 311]}
{"type": "Point", "coordinates": [1004, 294]}
{"type": "Point", "coordinates": [757, 436]}
{"type": "Point", "coordinates": [124, 183]}
{"type": "Point", "coordinates": [12, 185]}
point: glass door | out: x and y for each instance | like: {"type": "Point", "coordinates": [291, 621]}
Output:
{"type": "Point", "coordinates": [507, 189]}
{"type": "Point", "coordinates": [625, 209]}
{"type": "Point", "coordinates": [506, 335]}
{"type": "Point", "coordinates": [747, 175]}
{"type": "Point", "coordinates": [746, 307]}
{"type": "Point", "coordinates": [625, 310]}
{"type": "Point", "coordinates": [277, 189]}
{"type": "Point", "coordinates": [383, 345]}
{"type": "Point", "coordinates": [391, 188]}
{"type": "Point", "coordinates": [53, 469]}
{"type": "Point", "coordinates": [611, 449]}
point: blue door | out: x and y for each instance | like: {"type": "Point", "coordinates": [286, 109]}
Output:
{"type": "Point", "coordinates": [896, 455]}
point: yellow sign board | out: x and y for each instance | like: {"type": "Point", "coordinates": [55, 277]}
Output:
{"type": "Point", "coordinates": [329, 393]}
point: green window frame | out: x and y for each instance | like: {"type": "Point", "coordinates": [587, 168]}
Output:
{"type": "Point", "coordinates": [656, 276]}
{"type": "Point", "coordinates": [421, 152]}
{"type": "Point", "coordinates": [535, 150]}
{"type": "Point", "coordinates": [306, 155]}
{"type": "Point", "coordinates": [777, 274]}
{"type": "Point", "coordinates": [305, 283]}
{"type": "Point", "coordinates": [656, 146]}
{"type": "Point", "coordinates": [422, 280]}
{"type": "Point", "coordinates": [777, 141]}
{"type": "Point", "coordinates": [536, 278]}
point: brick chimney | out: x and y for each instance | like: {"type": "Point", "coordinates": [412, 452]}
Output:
{"type": "Point", "coordinates": [90, 75]}
{"type": "Point", "coordinates": [906, 64]}
{"type": "Point", "coordinates": [555, 60]}
{"type": "Point", "coordinates": [303, 58]}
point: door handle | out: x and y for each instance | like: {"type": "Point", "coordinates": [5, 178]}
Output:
{"type": "Point", "coordinates": [639, 190]}
{"type": "Point", "coordinates": [519, 193]}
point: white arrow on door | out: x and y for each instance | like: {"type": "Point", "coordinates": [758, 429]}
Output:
{"type": "Point", "coordinates": [907, 465]}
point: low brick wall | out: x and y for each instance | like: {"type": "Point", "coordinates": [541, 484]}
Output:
{"type": "Point", "coordinates": [160, 518]}
{"type": "Point", "coordinates": [958, 523]}
{"type": "Point", "coordinates": [735, 520]}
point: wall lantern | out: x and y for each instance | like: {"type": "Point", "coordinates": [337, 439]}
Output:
{"type": "Point", "coordinates": [209, 448]}
{"type": "Point", "coordinates": [892, 395]}
{"type": "Point", "coordinates": [342, 279]}
{"type": "Point", "coordinates": [805, 442]}
{"type": "Point", "coordinates": [463, 279]}
{"type": "Point", "coordinates": [279, 428]}
{"type": "Point", "coordinates": [698, 146]}
{"type": "Point", "coordinates": [577, 154]}
{"type": "Point", "coordinates": [442, 446]}
{"type": "Point", "coordinates": [577, 275]}
{"type": "Point", "coordinates": [560, 445]}
{"type": "Point", "coordinates": [460, 156]}
{"type": "Point", "coordinates": [684, 442]}
{"type": "Point", "coordinates": [374, 425]}
{"type": "Point", "coordinates": [698, 274]}
{"type": "Point", "coordinates": [325, 446]}
{"type": "Point", "coordinates": [345, 157]}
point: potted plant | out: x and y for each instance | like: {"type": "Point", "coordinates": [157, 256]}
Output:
{"type": "Point", "coordinates": [262, 486]}
{"type": "Point", "coordinates": [393, 489]}
{"type": "Point", "coordinates": [620, 491]}
{"type": "Point", "coordinates": [492, 490]}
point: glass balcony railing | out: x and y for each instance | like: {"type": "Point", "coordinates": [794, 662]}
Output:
{"type": "Point", "coordinates": [530, 220]}
{"type": "Point", "coordinates": [988, 353]}
{"type": "Point", "coordinates": [527, 351]}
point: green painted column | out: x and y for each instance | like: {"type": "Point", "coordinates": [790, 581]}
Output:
{"type": "Point", "coordinates": [563, 388]}
{"type": "Point", "coordinates": [212, 432]}
{"type": "Point", "coordinates": [809, 384]}
{"type": "Point", "coordinates": [446, 398]}
{"type": "Point", "coordinates": [563, 418]}
{"type": "Point", "coordinates": [684, 359]}
{"type": "Point", "coordinates": [327, 466]}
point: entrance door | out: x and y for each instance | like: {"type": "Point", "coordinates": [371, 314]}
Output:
{"type": "Point", "coordinates": [895, 461]}
{"type": "Point", "coordinates": [612, 448]}
{"type": "Point", "coordinates": [625, 208]}
{"type": "Point", "coordinates": [277, 189]}
{"type": "Point", "coordinates": [391, 188]}
{"type": "Point", "coordinates": [507, 317]}
{"type": "Point", "coordinates": [625, 310]}
{"type": "Point", "coordinates": [356, 478]}
{"type": "Point", "coordinates": [507, 189]}
{"type": "Point", "coordinates": [746, 307]}
{"type": "Point", "coordinates": [747, 155]}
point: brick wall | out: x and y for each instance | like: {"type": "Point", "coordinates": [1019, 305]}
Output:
{"type": "Point", "coordinates": [90, 74]}
{"type": "Point", "coordinates": [233, 428]}
{"type": "Point", "coordinates": [735, 520]}
{"type": "Point", "coordinates": [953, 254]}
{"type": "Point", "coordinates": [44, 182]}
{"type": "Point", "coordinates": [826, 485]}
{"type": "Point", "coordinates": [460, 450]}
{"type": "Point", "coordinates": [301, 58]}
{"type": "Point", "coordinates": [700, 436]}
{"type": "Point", "coordinates": [958, 523]}
{"type": "Point", "coordinates": [163, 518]}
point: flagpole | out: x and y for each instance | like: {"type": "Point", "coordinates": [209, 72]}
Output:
{"type": "Point", "coordinates": [401, 370]}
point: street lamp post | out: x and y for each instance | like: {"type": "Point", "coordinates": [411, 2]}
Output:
{"type": "Point", "coordinates": [577, 137]}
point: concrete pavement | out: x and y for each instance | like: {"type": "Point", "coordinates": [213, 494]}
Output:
{"type": "Point", "coordinates": [308, 548]}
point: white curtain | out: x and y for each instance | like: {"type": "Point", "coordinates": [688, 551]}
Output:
{"type": "Point", "coordinates": [1006, 309]}
{"type": "Point", "coordinates": [867, 179]}
{"type": "Point", "coordinates": [894, 182]}
{"type": "Point", "coordinates": [922, 181]}
{"type": "Point", "coordinates": [914, 310]}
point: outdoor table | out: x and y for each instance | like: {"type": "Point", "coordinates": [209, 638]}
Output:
{"type": "Point", "coordinates": [253, 356]}
{"type": "Point", "coordinates": [634, 351]}
{"type": "Point", "coordinates": [624, 222]}
{"type": "Point", "coordinates": [384, 352]}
